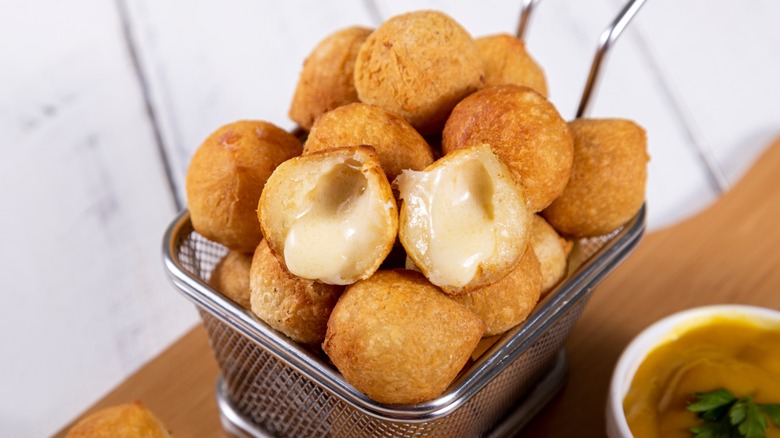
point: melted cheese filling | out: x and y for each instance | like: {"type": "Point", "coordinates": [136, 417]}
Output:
{"type": "Point", "coordinates": [334, 227]}
{"type": "Point", "coordinates": [455, 205]}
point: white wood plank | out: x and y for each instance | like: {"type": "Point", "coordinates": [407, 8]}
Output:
{"type": "Point", "coordinates": [85, 205]}
{"type": "Point", "coordinates": [212, 63]}
{"type": "Point", "coordinates": [721, 59]}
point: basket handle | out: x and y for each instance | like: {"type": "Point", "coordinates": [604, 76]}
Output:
{"type": "Point", "coordinates": [606, 40]}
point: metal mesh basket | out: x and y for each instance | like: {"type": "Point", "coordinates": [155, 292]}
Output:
{"type": "Point", "coordinates": [290, 390]}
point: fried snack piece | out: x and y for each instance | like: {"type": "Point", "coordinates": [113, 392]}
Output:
{"type": "Point", "coordinates": [131, 420]}
{"type": "Point", "coordinates": [231, 277]}
{"type": "Point", "coordinates": [464, 220]}
{"type": "Point", "coordinates": [330, 216]}
{"type": "Point", "coordinates": [297, 307]}
{"type": "Point", "coordinates": [607, 185]}
{"type": "Point", "coordinates": [551, 250]}
{"type": "Point", "coordinates": [507, 302]}
{"type": "Point", "coordinates": [327, 79]}
{"type": "Point", "coordinates": [396, 338]}
{"type": "Point", "coordinates": [397, 144]}
{"type": "Point", "coordinates": [506, 61]}
{"type": "Point", "coordinates": [226, 176]}
{"type": "Point", "coordinates": [524, 129]}
{"type": "Point", "coordinates": [418, 65]}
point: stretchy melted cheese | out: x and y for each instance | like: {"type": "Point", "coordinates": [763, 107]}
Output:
{"type": "Point", "coordinates": [464, 221]}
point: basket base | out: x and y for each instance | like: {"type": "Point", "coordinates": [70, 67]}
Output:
{"type": "Point", "coordinates": [239, 426]}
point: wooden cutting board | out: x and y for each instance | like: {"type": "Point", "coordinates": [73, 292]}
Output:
{"type": "Point", "coordinates": [729, 253]}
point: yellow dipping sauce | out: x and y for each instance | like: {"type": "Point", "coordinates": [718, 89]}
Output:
{"type": "Point", "coordinates": [732, 353]}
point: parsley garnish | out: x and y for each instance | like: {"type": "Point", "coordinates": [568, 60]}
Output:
{"type": "Point", "coordinates": [727, 416]}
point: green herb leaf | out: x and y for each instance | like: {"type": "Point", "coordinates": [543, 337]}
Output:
{"type": "Point", "coordinates": [738, 412]}
{"type": "Point", "coordinates": [708, 401]}
{"type": "Point", "coordinates": [755, 423]}
{"type": "Point", "coordinates": [727, 416]}
{"type": "Point", "coordinates": [715, 429]}
{"type": "Point", "coordinates": [773, 410]}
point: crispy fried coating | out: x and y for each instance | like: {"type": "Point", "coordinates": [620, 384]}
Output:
{"type": "Point", "coordinates": [330, 215]}
{"type": "Point", "coordinates": [507, 302]}
{"type": "Point", "coordinates": [398, 339]}
{"type": "Point", "coordinates": [327, 79]}
{"type": "Point", "coordinates": [227, 175]}
{"type": "Point", "coordinates": [607, 184]}
{"type": "Point", "coordinates": [550, 249]}
{"type": "Point", "coordinates": [524, 129]}
{"type": "Point", "coordinates": [130, 420]}
{"type": "Point", "coordinates": [296, 307]}
{"type": "Point", "coordinates": [418, 65]}
{"type": "Point", "coordinates": [397, 144]}
{"type": "Point", "coordinates": [230, 277]}
{"type": "Point", "coordinates": [506, 61]}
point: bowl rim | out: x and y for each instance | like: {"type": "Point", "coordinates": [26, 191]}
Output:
{"type": "Point", "coordinates": [658, 333]}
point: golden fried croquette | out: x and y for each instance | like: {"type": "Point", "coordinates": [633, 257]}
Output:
{"type": "Point", "coordinates": [330, 215]}
{"type": "Point", "coordinates": [296, 307]}
{"type": "Point", "coordinates": [607, 184]}
{"type": "Point", "coordinates": [397, 144]}
{"type": "Point", "coordinates": [226, 176]}
{"type": "Point", "coordinates": [230, 277]}
{"type": "Point", "coordinates": [524, 129]}
{"type": "Point", "coordinates": [396, 338]}
{"type": "Point", "coordinates": [464, 220]}
{"type": "Point", "coordinates": [551, 250]}
{"type": "Point", "coordinates": [506, 61]}
{"type": "Point", "coordinates": [507, 302]}
{"type": "Point", "coordinates": [327, 79]}
{"type": "Point", "coordinates": [419, 65]}
{"type": "Point", "coordinates": [130, 420]}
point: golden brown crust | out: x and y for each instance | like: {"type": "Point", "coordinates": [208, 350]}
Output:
{"type": "Point", "coordinates": [607, 185]}
{"type": "Point", "coordinates": [131, 420]}
{"type": "Point", "coordinates": [290, 187]}
{"type": "Point", "coordinates": [507, 302]}
{"type": "Point", "coordinates": [227, 174]}
{"type": "Point", "coordinates": [418, 65]}
{"type": "Point", "coordinates": [397, 144]}
{"type": "Point", "coordinates": [506, 61]}
{"type": "Point", "coordinates": [296, 307]}
{"type": "Point", "coordinates": [552, 252]}
{"type": "Point", "coordinates": [327, 78]}
{"type": "Point", "coordinates": [230, 277]}
{"type": "Point", "coordinates": [524, 129]}
{"type": "Point", "coordinates": [398, 339]}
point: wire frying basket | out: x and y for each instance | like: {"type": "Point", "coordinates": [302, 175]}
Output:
{"type": "Point", "coordinates": [272, 386]}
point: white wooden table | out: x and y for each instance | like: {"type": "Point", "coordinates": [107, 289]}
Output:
{"type": "Point", "coordinates": [103, 103]}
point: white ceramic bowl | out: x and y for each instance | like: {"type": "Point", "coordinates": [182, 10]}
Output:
{"type": "Point", "coordinates": [657, 334]}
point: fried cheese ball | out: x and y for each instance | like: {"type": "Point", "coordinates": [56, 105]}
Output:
{"type": "Point", "coordinates": [524, 129]}
{"type": "Point", "coordinates": [230, 277]}
{"type": "Point", "coordinates": [396, 338]}
{"type": "Point", "coordinates": [297, 307]}
{"type": "Point", "coordinates": [607, 184]}
{"type": "Point", "coordinates": [327, 79]}
{"type": "Point", "coordinates": [419, 65]}
{"type": "Point", "coordinates": [397, 144]}
{"type": "Point", "coordinates": [464, 220]}
{"type": "Point", "coordinates": [507, 302]}
{"type": "Point", "coordinates": [131, 420]}
{"type": "Point", "coordinates": [506, 61]}
{"type": "Point", "coordinates": [550, 249]}
{"type": "Point", "coordinates": [330, 216]}
{"type": "Point", "coordinates": [227, 175]}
